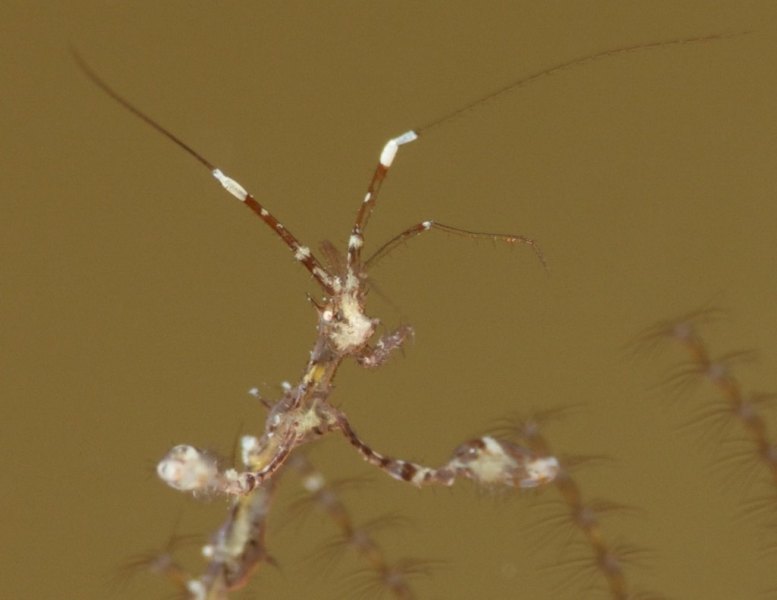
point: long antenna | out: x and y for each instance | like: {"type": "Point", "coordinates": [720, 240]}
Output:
{"type": "Point", "coordinates": [89, 72]}
{"type": "Point", "coordinates": [302, 253]}
{"type": "Point", "coordinates": [524, 81]}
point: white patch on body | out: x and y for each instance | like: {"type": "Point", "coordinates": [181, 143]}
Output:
{"type": "Point", "coordinates": [389, 153]}
{"type": "Point", "coordinates": [232, 186]}
{"type": "Point", "coordinates": [302, 253]}
{"type": "Point", "coordinates": [493, 462]}
{"type": "Point", "coordinates": [355, 241]}
{"type": "Point", "coordinates": [187, 469]}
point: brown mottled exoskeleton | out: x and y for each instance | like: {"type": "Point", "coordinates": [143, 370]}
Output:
{"type": "Point", "coordinates": [304, 412]}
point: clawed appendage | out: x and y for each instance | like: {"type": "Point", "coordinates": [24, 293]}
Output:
{"type": "Point", "coordinates": [491, 461]}
{"type": "Point", "coordinates": [486, 460]}
{"type": "Point", "coordinates": [344, 331]}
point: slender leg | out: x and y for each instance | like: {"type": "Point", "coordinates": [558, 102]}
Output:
{"type": "Point", "coordinates": [425, 226]}
{"type": "Point", "coordinates": [398, 469]}
{"type": "Point", "coordinates": [486, 460]}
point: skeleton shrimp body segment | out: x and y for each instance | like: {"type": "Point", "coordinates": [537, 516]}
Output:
{"type": "Point", "coordinates": [344, 330]}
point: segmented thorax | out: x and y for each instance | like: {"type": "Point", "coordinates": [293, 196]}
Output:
{"type": "Point", "coordinates": [343, 321]}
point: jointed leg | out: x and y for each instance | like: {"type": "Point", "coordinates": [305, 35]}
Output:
{"type": "Point", "coordinates": [425, 226]}
{"type": "Point", "coordinates": [398, 469]}
{"type": "Point", "coordinates": [486, 460]}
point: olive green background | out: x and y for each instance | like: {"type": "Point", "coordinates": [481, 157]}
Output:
{"type": "Point", "coordinates": [139, 303]}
